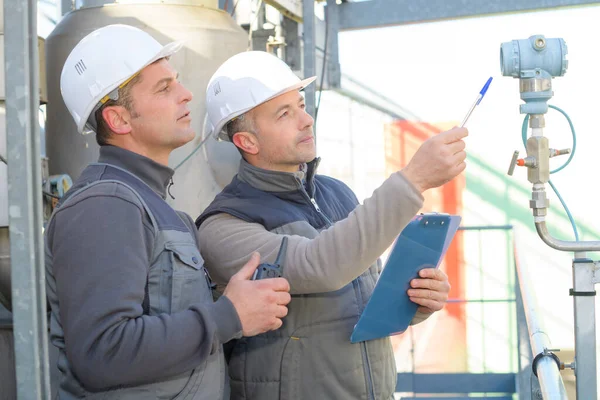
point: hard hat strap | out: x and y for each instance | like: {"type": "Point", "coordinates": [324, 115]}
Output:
{"type": "Point", "coordinates": [91, 123]}
{"type": "Point", "coordinates": [114, 94]}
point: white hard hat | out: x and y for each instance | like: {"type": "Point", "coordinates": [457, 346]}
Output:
{"type": "Point", "coordinates": [101, 63]}
{"type": "Point", "coordinates": [245, 81]}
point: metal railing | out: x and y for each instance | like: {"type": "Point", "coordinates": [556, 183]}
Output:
{"type": "Point", "coordinates": [543, 362]}
{"type": "Point", "coordinates": [533, 348]}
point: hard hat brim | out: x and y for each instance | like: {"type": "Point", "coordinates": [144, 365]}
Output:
{"type": "Point", "coordinates": [219, 131]}
{"type": "Point", "coordinates": [166, 51]}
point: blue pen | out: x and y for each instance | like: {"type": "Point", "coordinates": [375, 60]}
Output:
{"type": "Point", "coordinates": [477, 101]}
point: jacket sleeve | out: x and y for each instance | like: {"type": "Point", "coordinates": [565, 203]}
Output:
{"type": "Point", "coordinates": [326, 263]}
{"type": "Point", "coordinates": [100, 248]}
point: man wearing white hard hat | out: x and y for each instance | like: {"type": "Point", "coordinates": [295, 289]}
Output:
{"type": "Point", "coordinates": [254, 101]}
{"type": "Point", "coordinates": [133, 315]}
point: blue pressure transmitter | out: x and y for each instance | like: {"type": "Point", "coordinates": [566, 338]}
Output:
{"type": "Point", "coordinates": [535, 61]}
{"type": "Point", "coordinates": [274, 270]}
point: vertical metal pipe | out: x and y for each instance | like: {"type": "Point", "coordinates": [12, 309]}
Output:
{"type": "Point", "coordinates": [511, 288]}
{"type": "Point", "coordinates": [24, 199]}
{"type": "Point", "coordinates": [333, 58]}
{"type": "Point", "coordinates": [308, 12]}
{"type": "Point", "coordinates": [584, 308]}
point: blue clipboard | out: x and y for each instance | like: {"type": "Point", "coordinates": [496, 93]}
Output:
{"type": "Point", "coordinates": [422, 244]}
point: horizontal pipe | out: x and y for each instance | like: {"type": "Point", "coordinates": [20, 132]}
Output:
{"type": "Point", "coordinates": [564, 245]}
{"type": "Point", "coordinates": [480, 301]}
{"type": "Point", "coordinates": [486, 228]}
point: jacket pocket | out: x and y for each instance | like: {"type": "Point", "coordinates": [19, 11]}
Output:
{"type": "Point", "coordinates": [189, 280]}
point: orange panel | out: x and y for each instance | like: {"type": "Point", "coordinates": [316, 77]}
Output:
{"type": "Point", "coordinates": [402, 140]}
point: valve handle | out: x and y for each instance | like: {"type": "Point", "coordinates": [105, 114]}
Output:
{"type": "Point", "coordinates": [513, 162]}
{"type": "Point", "coordinates": [555, 152]}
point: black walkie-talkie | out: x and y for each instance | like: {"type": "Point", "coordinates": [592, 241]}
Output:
{"type": "Point", "coordinates": [275, 270]}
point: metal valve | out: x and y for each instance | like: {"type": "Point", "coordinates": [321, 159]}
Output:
{"type": "Point", "coordinates": [521, 162]}
{"type": "Point", "coordinates": [554, 152]}
{"type": "Point", "coordinates": [531, 161]}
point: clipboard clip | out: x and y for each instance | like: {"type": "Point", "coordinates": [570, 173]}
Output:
{"type": "Point", "coordinates": [424, 219]}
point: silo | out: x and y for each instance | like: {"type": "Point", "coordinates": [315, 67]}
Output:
{"type": "Point", "coordinates": [210, 35]}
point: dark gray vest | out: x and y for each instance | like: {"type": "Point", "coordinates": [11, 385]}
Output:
{"type": "Point", "coordinates": [310, 356]}
{"type": "Point", "coordinates": [176, 279]}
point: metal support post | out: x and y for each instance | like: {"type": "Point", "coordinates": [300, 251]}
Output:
{"type": "Point", "coordinates": [584, 297]}
{"type": "Point", "coordinates": [334, 74]}
{"type": "Point", "coordinates": [292, 54]}
{"type": "Point", "coordinates": [24, 199]}
{"type": "Point", "coordinates": [308, 12]}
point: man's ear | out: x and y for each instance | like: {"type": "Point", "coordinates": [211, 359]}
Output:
{"type": "Point", "coordinates": [247, 142]}
{"type": "Point", "coordinates": [117, 119]}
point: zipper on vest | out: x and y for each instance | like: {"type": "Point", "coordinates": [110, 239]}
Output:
{"type": "Point", "coordinates": [363, 348]}
{"type": "Point", "coordinates": [302, 190]}
{"type": "Point", "coordinates": [316, 206]}
{"type": "Point", "coordinates": [367, 369]}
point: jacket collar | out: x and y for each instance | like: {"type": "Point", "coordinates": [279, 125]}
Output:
{"type": "Point", "coordinates": [153, 174]}
{"type": "Point", "coordinates": [276, 181]}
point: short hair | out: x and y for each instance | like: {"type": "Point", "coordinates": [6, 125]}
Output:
{"type": "Point", "coordinates": [242, 123]}
{"type": "Point", "coordinates": [103, 132]}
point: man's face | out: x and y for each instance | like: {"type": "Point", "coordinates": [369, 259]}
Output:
{"type": "Point", "coordinates": [160, 118]}
{"type": "Point", "coordinates": [284, 131]}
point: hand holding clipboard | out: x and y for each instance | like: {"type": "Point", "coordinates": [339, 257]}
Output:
{"type": "Point", "coordinates": [421, 244]}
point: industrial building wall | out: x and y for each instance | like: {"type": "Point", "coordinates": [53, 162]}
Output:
{"type": "Point", "coordinates": [350, 142]}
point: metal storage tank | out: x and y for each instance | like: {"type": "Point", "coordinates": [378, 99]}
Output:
{"type": "Point", "coordinates": [211, 36]}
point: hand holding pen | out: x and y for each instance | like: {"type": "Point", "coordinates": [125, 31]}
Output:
{"type": "Point", "coordinates": [441, 157]}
